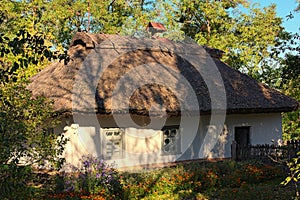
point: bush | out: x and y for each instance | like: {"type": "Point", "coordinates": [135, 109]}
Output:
{"type": "Point", "coordinates": [162, 182]}
{"type": "Point", "coordinates": [25, 124]}
{"type": "Point", "coordinates": [14, 182]}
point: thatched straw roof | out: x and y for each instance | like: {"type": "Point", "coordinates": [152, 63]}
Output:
{"type": "Point", "coordinates": [59, 81]}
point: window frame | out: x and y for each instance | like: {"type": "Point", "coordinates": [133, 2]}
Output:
{"type": "Point", "coordinates": [112, 139]}
{"type": "Point", "coordinates": [176, 140]}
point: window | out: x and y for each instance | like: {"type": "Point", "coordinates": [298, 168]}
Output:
{"type": "Point", "coordinates": [113, 143]}
{"type": "Point", "coordinates": [242, 135]}
{"type": "Point", "coordinates": [171, 140]}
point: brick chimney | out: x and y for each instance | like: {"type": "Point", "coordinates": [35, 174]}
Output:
{"type": "Point", "coordinates": [155, 27]}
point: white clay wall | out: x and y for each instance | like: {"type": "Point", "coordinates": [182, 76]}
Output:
{"type": "Point", "coordinates": [143, 146]}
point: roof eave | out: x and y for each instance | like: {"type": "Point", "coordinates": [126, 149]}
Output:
{"type": "Point", "coordinates": [177, 113]}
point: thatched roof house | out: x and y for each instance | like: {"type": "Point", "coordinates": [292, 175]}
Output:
{"type": "Point", "coordinates": [111, 74]}
{"type": "Point", "coordinates": [244, 94]}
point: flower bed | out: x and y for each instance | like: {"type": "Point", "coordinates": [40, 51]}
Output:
{"type": "Point", "coordinates": [221, 180]}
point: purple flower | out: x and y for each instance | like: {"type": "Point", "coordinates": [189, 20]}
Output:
{"type": "Point", "coordinates": [86, 164]}
{"type": "Point", "coordinates": [70, 188]}
{"type": "Point", "coordinates": [100, 165]}
{"type": "Point", "coordinates": [81, 175]}
{"type": "Point", "coordinates": [97, 175]}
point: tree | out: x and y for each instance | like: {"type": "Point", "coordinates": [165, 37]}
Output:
{"type": "Point", "coordinates": [24, 121]}
{"type": "Point", "coordinates": [287, 54]}
{"type": "Point", "coordinates": [25, 128]}
{"type": "Point", "coordinates": [245, 37]}
{"type": "Point", "coordinates": [61, 19]}
{"type": "Point", "coordinates": [290, 76]}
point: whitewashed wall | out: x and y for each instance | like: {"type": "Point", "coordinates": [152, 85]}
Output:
{"type": "Point", "coordinates": [143, 147]}
{"type": "Point", "coordinates": [264, 127]}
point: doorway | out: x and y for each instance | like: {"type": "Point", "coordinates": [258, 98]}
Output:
{"type": "Point", "coordinates": [242, 135]}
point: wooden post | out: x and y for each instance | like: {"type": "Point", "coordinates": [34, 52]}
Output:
{"type": "Point", "coordinates": [233, 150]}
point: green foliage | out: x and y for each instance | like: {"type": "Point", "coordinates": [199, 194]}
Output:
{"type": "Point", "coordinates": [24, 55]}
{"type": "Point", "coordinates": [24, 126]}
{"type": "Point", "coordinates": [14, 182]}
{"type": "Point", "coordinates": [290, 76]}
{"type": "Point", "coordinates": [244, 37]}
{"type": "Point", "coordinates": [294, 174]}
{"type": "Point", "coordinates": [60, 19]}
{"type": "Point", "coordinates": [24, 121]}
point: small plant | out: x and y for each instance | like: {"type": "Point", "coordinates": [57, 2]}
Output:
{"type": "Point", "coordinates": [94, 177]}
{"type": "Point", "coordinates": [294, 174]}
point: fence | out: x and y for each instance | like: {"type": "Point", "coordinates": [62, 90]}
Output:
{"type": "Point", "coordinates": [265, 151]}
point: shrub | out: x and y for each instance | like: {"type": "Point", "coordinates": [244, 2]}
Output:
{"type": "Point", "coordinates": [159, 182]}
{"type": "Point", "coordinates": [13, 182]}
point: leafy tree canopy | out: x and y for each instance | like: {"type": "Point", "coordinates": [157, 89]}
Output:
{"type": "Point", "coordinates": [245, 33]}
{"type": "Point", "coordinates": [290, 85]}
